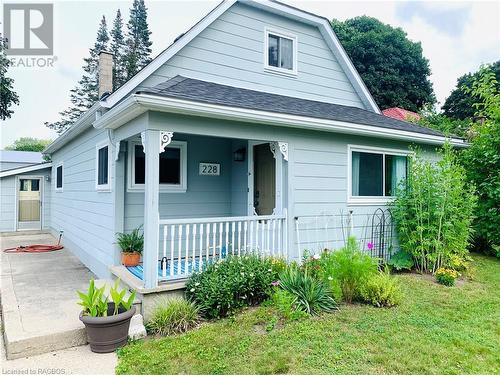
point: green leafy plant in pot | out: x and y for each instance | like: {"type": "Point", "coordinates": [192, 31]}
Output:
{"type": "Point", "coordinates": [131, 245]}
{"type": "Point", "coordinates": [106, 322]}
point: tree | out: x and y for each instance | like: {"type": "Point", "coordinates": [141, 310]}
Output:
{"type": "Point", "coordinates": [482, 158]}
{"type": "Point", "coordinates": [86, 92]}
{"type": "Point", "coordinates": [138, 45]}
{"type": "Point", "coordinates": [448, 126]}
{"type": "Point", "coordinates": [8, 96]}
{"type": "Point", "coordinates": [392, 66]}
{"type": "Point", "coordinates": [29, 144]}
{"type": "Point", "coordinates": [118, 49]}
{"type": "Point", "coordinates": [460, 104]}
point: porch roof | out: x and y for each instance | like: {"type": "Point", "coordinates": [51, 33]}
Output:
{"type": "Point", "coordinates": [213, 93]}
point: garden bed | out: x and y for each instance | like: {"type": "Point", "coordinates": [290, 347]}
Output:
{"type": "Point", "coordinates": [436, 329]}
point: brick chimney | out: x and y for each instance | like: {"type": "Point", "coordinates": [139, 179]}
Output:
{"type": "Point", "coordinates": [105, 73]}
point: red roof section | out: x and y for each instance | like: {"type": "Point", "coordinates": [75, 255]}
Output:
{"type": "Point", "coordinates": [400, 114]}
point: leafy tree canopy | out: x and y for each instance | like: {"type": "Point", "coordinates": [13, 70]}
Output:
{"type": "Point", "coordinates": [8, 96]}
{"type": "Point", "coordinates": [29, 144]}
{"type": "Point", "coordinates": [482, 158]}
{"type": "Point", "coordinates": [460, 104]}
{"type": "Point", "coordinates": [392, 66]}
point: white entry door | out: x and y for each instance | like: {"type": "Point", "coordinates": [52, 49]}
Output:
{"type": "Point", "coordinates": [29, 204]}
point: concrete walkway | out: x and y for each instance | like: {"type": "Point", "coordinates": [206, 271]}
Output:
{"type": "Point", "coordinates": [40, 311]}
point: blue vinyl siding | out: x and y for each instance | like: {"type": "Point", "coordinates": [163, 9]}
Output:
{"type": "Point", "coordinates": [85, 215]}
{"type": "Point", "coordinates": [231, 51]}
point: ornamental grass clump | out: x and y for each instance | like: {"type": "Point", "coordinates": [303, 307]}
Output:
{"type": "Point", "coordinates": [173, 316]}
{"type": "Point", "coordinates": [231, 284]}
{"type": "Point", "coordinates": [433, 212]}
{"type": "Point", "coordinates": [311, 295]}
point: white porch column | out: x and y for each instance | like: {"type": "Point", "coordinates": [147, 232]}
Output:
{"type": "Point", "coordinates": [154, 142]}
{"type": "Point", "coordinates": [151, 143]}
{"type": "Point", "coordinates": [280, 152]}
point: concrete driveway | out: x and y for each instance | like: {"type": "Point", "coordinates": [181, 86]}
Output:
{"type": "Point", "coordinates": [40, 311]}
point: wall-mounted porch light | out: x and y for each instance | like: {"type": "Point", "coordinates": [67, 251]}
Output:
{"type": "Point", "coordinates": [239, 154]}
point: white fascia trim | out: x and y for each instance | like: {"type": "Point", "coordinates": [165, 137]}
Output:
{"type": "Point", "coordinates": [139, 103]}
{"type": "Point", "coordinates": [30, 168]}
{"type": "Point", "coordinates": [163, 57]}
{"type": "Point", "coordinates": [84, 122]}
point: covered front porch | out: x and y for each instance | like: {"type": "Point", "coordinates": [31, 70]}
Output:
{"type": "Point", "coordinates": [200, 198]}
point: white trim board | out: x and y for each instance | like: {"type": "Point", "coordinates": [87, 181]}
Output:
{"type": "Point", "coordinates": [139, 103]}
{"type": "Point", "coordinates": [270, 6]}
{"type": "Point", "coordinates": [30, 168]}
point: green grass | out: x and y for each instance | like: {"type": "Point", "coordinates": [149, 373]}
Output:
{"type": "Point", "coordinates": [435, 330]}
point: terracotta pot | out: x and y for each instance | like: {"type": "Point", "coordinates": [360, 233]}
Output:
{"type": "Point", "coordinates": [131, 259]}
{"type": "Point", "coordinates": [108, 333]}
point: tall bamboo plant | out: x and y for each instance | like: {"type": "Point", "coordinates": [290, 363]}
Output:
{"type": "Point", "coordinates": [433, 210]}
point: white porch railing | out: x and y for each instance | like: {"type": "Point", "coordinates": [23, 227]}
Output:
{"type": "Point", "coordinates": [187, 244]}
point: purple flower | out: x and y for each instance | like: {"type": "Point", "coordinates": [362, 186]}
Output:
{"type": "Point", "coordinates": [370, 246]}
{"type": "Point", "coordinates": [275, 283]}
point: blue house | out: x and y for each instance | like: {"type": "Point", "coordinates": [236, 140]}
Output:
{"type": "Point", "coordinates": [251, 121]}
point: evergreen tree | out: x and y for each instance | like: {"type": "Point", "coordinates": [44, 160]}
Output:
{"type": "Point", "coordinates": [86, 93]}
{"type": "Point", "coordinates": [118, 49]}
{"type": "Point", "coordinates": [8, 96]}
{"type": "Point", "coordinates": [138, 46]}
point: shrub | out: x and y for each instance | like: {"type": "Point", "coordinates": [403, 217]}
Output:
{"type": "Point", "coordinates": [382, 290]}
{"type": "Point", "coordinates": [433, 214]}
{"type": "Point", "coordinates": [401, 261]}
{"type": "Point", "coordinates": [173, 316]}
{"type": "Point", "coordinates": [348, 267]}
{"type": "Point", "coordinates": [311, 295]}
{"type": "Point", "coordinates": [284, 302]}
{"type": "Point", "coordinates": [446, 276]}
{"type": "Point", "coordinates": [230, 284]}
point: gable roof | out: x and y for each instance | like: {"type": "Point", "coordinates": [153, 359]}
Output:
{"type": "Point", "coordinates": [26, 157]}
{"type": "Point", "coordinates": [275, 7]}
{"type": "Point", "coordinates": [214, 93]}
{"type": "Point", "coordinates": [400, 114]}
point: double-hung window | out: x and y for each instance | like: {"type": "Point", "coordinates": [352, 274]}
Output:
{"type": "Point", "coordinates": [172, 168]}
{"type": "Point", "coordinates": [103, 167]}
{"type": "Point", "coordinates": [375, 173]}
{"type": "Point", "coordinates": [281, 52]}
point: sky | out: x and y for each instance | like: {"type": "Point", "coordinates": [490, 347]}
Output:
{"type": "Point", "coordinates": [456, 37]}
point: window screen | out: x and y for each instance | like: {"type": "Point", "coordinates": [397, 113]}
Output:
{"type": "Point", "coordinates": [59, 177]}
{"type": "Point", "coordinates": [102, 166]}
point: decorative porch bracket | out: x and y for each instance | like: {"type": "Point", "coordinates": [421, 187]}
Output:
{"type": "Point", "coordinates": [165, 139]}
{"type": "Point", "coordinates": [117, 150]}
{"type": "Point", "coordinates": [281, 147]}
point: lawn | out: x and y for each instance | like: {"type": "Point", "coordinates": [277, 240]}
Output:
{"type": "Point", "coordinates": [436, 330]}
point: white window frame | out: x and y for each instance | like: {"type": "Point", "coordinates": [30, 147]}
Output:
{"type": "Point", "coordinates": [281, 34]}
{"type": "Point", "coordinates": [370, 200]}
{"type": "Point", "coordinates": [164, 188]}
{"type": "Point", "coordinates": [102, 187]}
{"type": "Point", "coordinates": [61, 164]}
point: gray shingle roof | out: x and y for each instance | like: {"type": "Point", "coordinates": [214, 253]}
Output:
{"type": "Point", "coordinates": [213, 93]}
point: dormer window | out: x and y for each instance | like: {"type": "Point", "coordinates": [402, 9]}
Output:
{"type": "Point", "coordinates": [281, 52]}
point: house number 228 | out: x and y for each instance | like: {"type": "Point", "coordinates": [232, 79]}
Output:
{"type": "Point", "coordinates": [209, 169]}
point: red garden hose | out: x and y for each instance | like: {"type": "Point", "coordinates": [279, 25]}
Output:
{"type": "Point", "coordinates": [36, 248]}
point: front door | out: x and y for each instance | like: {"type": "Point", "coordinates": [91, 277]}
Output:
{"type": "Point", "coordinates": [264, 190]}
{"type": "Point", "coordinates": [29, 204]}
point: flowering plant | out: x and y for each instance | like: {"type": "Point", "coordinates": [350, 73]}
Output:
{"type": "Point", "coordinates": [446, 276]}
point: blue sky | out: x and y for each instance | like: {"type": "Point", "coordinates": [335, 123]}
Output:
{"type": "Point", "coordinates": [456, 37]}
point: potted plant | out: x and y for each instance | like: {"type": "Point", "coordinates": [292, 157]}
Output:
{"type": "Point", "coordinates": [106, 323]}
{"type": "Point", "coordinates": [131, 245]}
